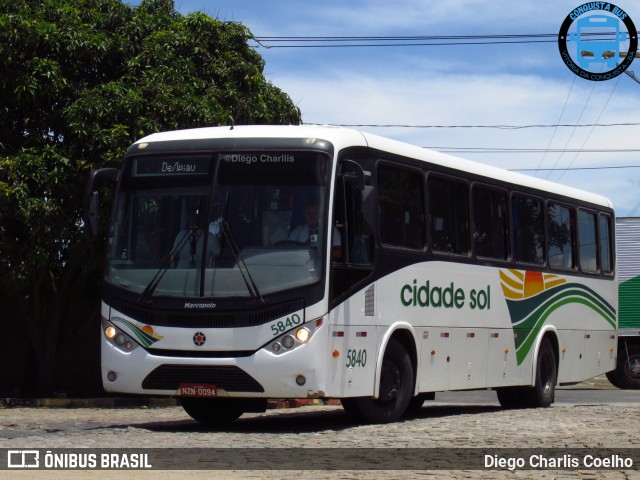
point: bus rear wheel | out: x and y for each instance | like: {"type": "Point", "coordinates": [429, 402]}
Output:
{"type": "Point", "coordinates": [215, 411]}
{"type": "Point", "coordinates": [396, 389]}
{"type": "Point", "coordinates": [542, 394]}
{"type": "Point", "coordinates": [627, 373]}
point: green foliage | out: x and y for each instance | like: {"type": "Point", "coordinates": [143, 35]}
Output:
{"type": "Point", "coordinates": [80, 80]}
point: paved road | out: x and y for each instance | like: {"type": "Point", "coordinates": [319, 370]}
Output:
{"type": "Point", "coordinates": [586, 418]}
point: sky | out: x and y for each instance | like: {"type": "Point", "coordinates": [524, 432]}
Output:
{"type": "Point", "coordinates": [453, 97]}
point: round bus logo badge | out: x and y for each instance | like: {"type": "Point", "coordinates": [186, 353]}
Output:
{"type": "Point", "coordinates": [199, 338]}
{"type": "Point", "coordinates": [593, 42]}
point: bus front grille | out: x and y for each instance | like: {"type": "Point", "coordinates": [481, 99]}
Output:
{"type": "Point", "coordinates": [210, 319]}
{"type": "Point", "coordinates": [226, 377]}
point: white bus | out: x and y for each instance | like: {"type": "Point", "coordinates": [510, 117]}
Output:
{"type": "Point", "coordinates": [247, 263]}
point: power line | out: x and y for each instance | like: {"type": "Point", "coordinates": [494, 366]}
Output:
{"type": "Point", "coordinates": [501, 127]}
{"type": "Point", "coordinates": [610, 167]}
{"type": "Point", "coordinates": [415, 40]}
{"type": "Point", "coordinates": [400, 41]}
{"type": "Point", "coordinates": [564, 107]}
{"type": "Point", "coordinates": [531, 150]}
{"type": "Point", "coordinates": [593, 128]}
{"type": "Point", "coordinates": [584, 108]}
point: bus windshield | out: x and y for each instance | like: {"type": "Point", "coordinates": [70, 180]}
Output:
{"type": "Point", "coordinates": [234, 224]}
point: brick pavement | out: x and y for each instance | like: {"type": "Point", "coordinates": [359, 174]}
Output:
{"type": "Point", "coordinates": [320, 426]}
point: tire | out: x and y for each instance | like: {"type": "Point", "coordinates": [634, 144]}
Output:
{"type": "Point", "coordinates": [511, 397]}
{"type": "Point", "coordinates": [613, 379]}
{"type": "Point", "coordinates": [542, 394]}
{"type": "Point", "coordinates": [215, 411]}
{"type": "Point", "coordinates": [627, 372]}
{"type": "Point", "coordinates": [415, 404]}
{"type": "Point", "coordinates": [396, 389]}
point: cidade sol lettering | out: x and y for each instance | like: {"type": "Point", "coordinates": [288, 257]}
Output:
{"type": "Point", "coordinates": [426, 295]}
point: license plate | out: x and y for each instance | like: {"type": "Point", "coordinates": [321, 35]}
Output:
{"type": "Point", "coordinates": [197, 390]}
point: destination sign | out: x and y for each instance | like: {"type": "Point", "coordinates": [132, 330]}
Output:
{"type": "Point", "coordinates": [166, 166]}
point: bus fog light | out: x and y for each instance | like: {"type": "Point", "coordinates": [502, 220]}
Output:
{"type": "Point", "coordinates": [110, 332]}
{"type": "Point", "coordinates": [288, 342]}
{"type": "Point", "coordinates": [111, 376]}
{"type": "Point", "coordinates": [300, 380]}
{"type": "Point", "coordinates": [302, 335]}
{"type": "Point", "coordinates": [120, 339]}
{"type": "Point", "coordinates": [276, 347]}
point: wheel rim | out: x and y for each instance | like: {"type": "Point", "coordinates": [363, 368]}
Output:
{"type": "Point", "coordinates": [390, 381]}
{"type": "Point", "coordinates": [633, 367]}
{"type": "Point", "coordinates": [546, 374]}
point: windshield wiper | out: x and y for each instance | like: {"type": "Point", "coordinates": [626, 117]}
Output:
{"type": "Point", "coordinates": [155, 281]}
{"type": "Point", "coordinates": [237, 255]}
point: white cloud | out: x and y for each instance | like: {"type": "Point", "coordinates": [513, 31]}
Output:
{"type": "Point", "coordinates": [462, 85]}
{"type": "Point", "coordinates": [456, 99]}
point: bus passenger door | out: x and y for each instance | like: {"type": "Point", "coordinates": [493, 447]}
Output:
{"type": "Point", "coordinates": [351, 233]}
{"type": "Point", "coordinates": [353, 313]}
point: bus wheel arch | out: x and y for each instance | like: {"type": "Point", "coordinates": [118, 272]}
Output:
{"type": "Point", "coordinates": [408, 341]}
{"type": "Point", "coordinates": [395, 385]}
{"type": "Point", "coordinates": [627, 372]}
{"type": "Point", "coordinates": [545, 378]}
{"type": "Point", "coordinates": [546, 374]}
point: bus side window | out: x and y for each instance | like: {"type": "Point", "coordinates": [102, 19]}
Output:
{"type": "Point", "coordinates": [528, 229]}
{"type": "Point", "coordinates": [355, 243]}
{"type": "Point", "coordinates": [449, 215]}
{"type": "Point", "coordinates": [401, 207]}
{"type": "Point", "coordinates": [561, 231]}
{"type": "Point", "coordinates": [606, 250]}
{"type": "Point", "coordinates": [491, 223]}
{"type": "Point", "coordinates": [587, 241]}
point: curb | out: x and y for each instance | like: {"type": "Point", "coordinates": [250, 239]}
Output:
{"type": "Point", "coordinates": [142, 402]}
{"type": "Point", "coordinates": [599, 382]}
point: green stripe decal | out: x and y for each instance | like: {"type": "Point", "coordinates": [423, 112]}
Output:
{"type": "Point", "coordinates": [143, 337]}
{"type": "Point", "coordinates": [528, 315]}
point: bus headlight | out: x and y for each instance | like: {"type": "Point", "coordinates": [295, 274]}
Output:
{"type": "Point", "coordinates": [303, 335]}
{"type": "Point", "coordinates": [117, 337]}
{"type": "Point", "coordinates": [110, 332]}
{"type": "Point", "coordinates": [288, 342]}
{"type": "Point", "coordinates": [294, 338]}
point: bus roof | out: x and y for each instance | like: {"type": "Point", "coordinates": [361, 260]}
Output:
{"type": "Point", "coordinates": [345, 137]}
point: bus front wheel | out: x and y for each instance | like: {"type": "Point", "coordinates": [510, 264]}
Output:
{"type": "Point", "coordinates": [212, 410]}
{"type": "Point", "coordinates": [396, 389]}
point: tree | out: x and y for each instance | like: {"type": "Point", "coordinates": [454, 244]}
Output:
{"type": "Point", "coordinates": [80, 80]}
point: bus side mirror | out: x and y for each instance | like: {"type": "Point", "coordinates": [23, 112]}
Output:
{"type": "Point", "coordinates": [92, 199]}
{"type": "Point", "coordinates": [369, 209]}
{"type": "Point", "coordinates": [92, 213]}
